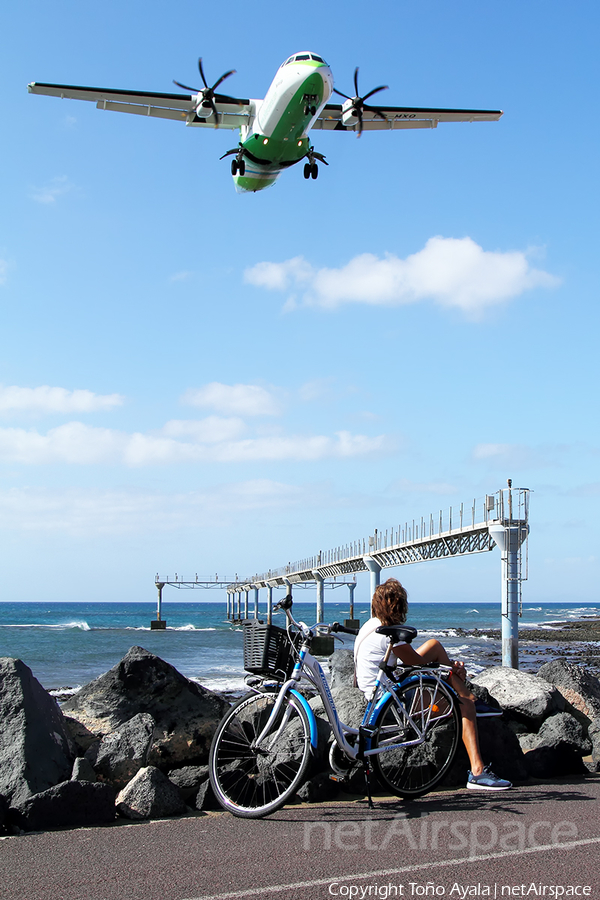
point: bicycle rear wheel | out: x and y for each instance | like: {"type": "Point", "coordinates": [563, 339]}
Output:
{"type": "Point", "coordinates": [415, 770]}
{"type": "Point", "coordinates": [252, 781]}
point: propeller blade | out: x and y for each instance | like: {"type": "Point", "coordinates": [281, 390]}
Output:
{"type": "Point", "coordinates": [335, 90]}
{"type": "Point", "coordinates": [360, 120]}
{"type": "Point", "coordinates": [222, 78]}
{"type": "Point", "coordinates": [356, 81]}
{"type": "Point", "coordinates": [186, 86]}
{"type": "Point", "coordinates": [204, 81]}
{"type": "Point", "coordinates": [376, 112]}
{"type": "Point", "coordinates": [382, 87]}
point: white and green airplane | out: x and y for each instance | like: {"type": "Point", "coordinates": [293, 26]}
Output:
{"type": "Point", "coordinates": [274, 131]}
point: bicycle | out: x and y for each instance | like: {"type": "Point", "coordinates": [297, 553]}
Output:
{"type": "Point", "coordinates": [262, 748]}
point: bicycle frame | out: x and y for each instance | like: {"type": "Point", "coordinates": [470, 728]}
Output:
{"type": "Point", "coordinates": [310, 668]}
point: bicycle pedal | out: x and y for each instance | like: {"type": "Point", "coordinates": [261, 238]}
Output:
{"type": "Point", "coordinates": [340, 779]}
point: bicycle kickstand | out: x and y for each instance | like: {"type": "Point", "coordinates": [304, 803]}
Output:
{"type": "Point", "coordinates": [364, 738]}
{"type": "Point", "coordinates": [367, 770]}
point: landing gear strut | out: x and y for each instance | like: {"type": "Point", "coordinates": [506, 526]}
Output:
{"type": "Point", "coordinates": [238, 165]}
{"type": "Point", "coordinates": [311, 169]}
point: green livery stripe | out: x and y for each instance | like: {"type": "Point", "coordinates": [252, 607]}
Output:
{"type": "Point", "coordinates": [289, 142]}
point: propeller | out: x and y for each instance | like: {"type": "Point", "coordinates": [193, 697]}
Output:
{"type": "Point", "coordinates": [358, 103]}
{"type": "Point", "coordinates": [208, 93]}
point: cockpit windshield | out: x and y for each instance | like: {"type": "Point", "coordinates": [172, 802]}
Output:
{"type": "Point", "coordinates": [301, 57]}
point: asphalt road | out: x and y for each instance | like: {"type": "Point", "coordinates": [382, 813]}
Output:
{"type": "Point", "coordinates": [534, 841]}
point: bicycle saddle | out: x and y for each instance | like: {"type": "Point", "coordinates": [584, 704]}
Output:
{"type": "Point", "coordinates": [398, 633]}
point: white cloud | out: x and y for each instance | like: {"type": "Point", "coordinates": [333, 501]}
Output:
{"type": "Point", "coordinates": [207, 431]}
{"type": "Point", "coordinates": [80, 511]}
{"type": "Point", "coordinates": [81, 444]}
{"type": "Point", "coordinates": [454, 272]}
{"type": "Point", "coordinates": [46, 399]}
{"type": "Point", "coordinates": [49, 192]}
{"type": "Point", "coordinates": [235, 399]}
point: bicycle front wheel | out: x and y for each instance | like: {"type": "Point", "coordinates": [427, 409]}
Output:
{"type": "Point", "coordinates": [252, 781]}
{"type": "Point", "coordinates": [411, 771]}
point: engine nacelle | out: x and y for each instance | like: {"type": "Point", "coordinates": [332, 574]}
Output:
{"type": "Point", "coordinates": [204, 109]}
{"type": "Point", "coordinates": [349, 116]}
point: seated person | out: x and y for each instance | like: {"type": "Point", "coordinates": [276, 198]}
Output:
{"type": "Point", "coordinates": [389, 607]}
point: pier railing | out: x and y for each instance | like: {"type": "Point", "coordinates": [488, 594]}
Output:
{"type": "Point", "coordinates": [456, 531]}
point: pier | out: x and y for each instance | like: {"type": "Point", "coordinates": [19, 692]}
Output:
{"type": "Point", "coordinates": [499, 519]}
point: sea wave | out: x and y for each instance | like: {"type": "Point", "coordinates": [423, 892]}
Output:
{"type": "Point", "coordinates": [64, 692]}
{"type": "Point", "coordinates": [189, 627]}
{"type": "Point", "coordinates": [81, 625]}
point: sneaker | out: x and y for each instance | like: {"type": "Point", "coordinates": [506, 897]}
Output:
{"type": "Point", "coordinates": [487, 781]}
{"type": "Point", "coordinates": [484, 709]}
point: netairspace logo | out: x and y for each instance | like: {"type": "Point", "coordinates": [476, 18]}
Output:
{"type": "Point", "coordinates": [474, 836]}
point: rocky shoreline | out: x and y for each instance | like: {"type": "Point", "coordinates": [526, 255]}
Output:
{"type": "Point", "coordinates": [577, 641]}
{"type": "Point", "coordinates": [134, 742]}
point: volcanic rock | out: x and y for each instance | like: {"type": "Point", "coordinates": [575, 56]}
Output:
{"type": "Point", "coordinates": [580, 689]}
{"type": "Point", "coordinates": [71, 804]}
{"type": "Point", "coordinates": [83, 770]}
{"type": "Point", "coordinates": [150, 795]}
{"type": "Point", "coordinates": [123, 752]}
{"type": "Point", "coordinates": [186, 714]}
{"type": "Point", "coordinates": [35, 752]}
{"type": "Point", "coordinates": [527, 698]}
{"type": "Point", "coordinates": [188, 779]}
{"type": "Point", "coordinates": [557, 748]}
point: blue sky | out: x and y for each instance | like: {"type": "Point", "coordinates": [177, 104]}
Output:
{"type": "Point", "coordinates": [197, 381]}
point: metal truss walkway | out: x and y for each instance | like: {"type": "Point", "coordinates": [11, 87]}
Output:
{"type": "Point", "coordinates": [498, 519]}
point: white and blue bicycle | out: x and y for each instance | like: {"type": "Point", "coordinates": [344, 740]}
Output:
{"type": "Point", "coordinates": [263, 747]}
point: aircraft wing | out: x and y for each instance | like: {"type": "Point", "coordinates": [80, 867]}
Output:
{"type": "Point", "coordinates": [396, 117]}
{"type": "Point", "coordinates": [232, 112]}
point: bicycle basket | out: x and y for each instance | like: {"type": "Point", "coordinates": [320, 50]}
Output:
{"type": "Point", "coordinates": [267, 650]}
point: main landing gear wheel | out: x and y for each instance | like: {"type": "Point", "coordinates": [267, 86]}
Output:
{"type": "Point", "coordinates": [413, 771]}
{"type": "Point", "coordinates": [234, 167]}
{"type": "Point", "coordinates": [252, 781]}
{"type": "Point", "coordinates": [307, 170]}
{"type": "Point", "coordinates": [314, 171]}
{"type": "Point", "coordinates": [311, 171]}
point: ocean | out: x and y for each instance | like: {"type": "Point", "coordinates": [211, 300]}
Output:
{"type": "Point", "coordinates": [68, 644]}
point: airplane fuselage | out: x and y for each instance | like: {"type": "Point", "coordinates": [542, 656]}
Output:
{"type": "Point", "coordinates": [277, 136]}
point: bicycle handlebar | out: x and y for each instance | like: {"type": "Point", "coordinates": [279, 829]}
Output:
{"type": "Point", "coordinates": [337, 627]}
{"type": "Point", "coordinates": [286, 605]}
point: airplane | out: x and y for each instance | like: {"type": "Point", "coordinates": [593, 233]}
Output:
{"type": "Point", "coordinates": [274, 132]}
